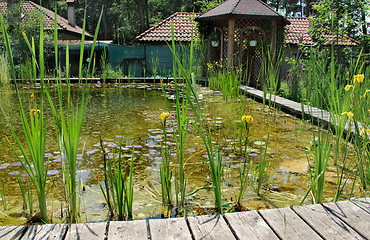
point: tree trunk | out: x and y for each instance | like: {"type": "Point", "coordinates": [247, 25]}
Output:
{"type": "Point", "coordinates": [146, 14]}
{"type": "Point", "coordinates": [363, 22]}
{"type": "Point", "coordinates": [105, 27]}
{"type": "Point", "coordinates": [141, 13]}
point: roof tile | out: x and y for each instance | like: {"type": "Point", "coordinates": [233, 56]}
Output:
{"type": "Point", "coordinates": [183, 24]}
{"type": "Point", "coordinates": [31, 10]}
{"type": "Point", "coordinates": [298, 33]}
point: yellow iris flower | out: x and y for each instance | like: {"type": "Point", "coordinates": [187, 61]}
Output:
{"type": "Point", "coordinates": [358, 78]}
{"type": "Point", "coordinates": [349, 114]}
{"type": "Point", "coordinates": [367, 90]}
{"type": "Point", "coordinates": [247, 118]}
{"type": "Point", "coordinates": [348, 87]}
{"type": "Point", "coordinates": [165, 115]}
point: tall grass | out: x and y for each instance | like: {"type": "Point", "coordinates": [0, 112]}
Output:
{"type": "Point", "coordinates": [118, 186]}
{"type": "Point", "coordinates": [244, 169]}
{"type": "Point", "coordinates": [34, 128]}
{"type": "Point", "coordinates": [271, 73]}
{"type": "Point", "coordinates": [4, 70]}
{"type": "Point", "coordinates": [213, 152]}
{"type": "Point", "coordinates": [165, 170]}
{"type": "Point", "coordinates": [226, 81]}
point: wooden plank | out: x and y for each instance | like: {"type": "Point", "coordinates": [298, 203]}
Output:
{"type": "Point", "coordinates": [249, 224]}
{"type": "Point", "coordinates": [210, 227]}
{"type": "Point", "coordinates": [352, 215]}
{"type": "Point", "coordinates": [128, 230]}
{"type": "Point", "coordinates": [325, 223]}
{"type": "Point", "coordinates": [89, 231]}
{"type": "Point", "coordinates": [172, 228]}
{"type": "Point", "coordinates": [46, 231]}
{"type": "Point", "coordinates": [12, 232]}
{"type": "Point", "coordinates": [287, 224]}
{"type": "Point", "coordinates": [363, 203]}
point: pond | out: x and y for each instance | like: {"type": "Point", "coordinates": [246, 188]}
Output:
{"type": "Point", "coordinates": [131, 113]}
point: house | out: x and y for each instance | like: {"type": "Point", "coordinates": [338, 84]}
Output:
{"type": "Point", "coordinates": [183, 24]}
{"type": "Point", "coordinates": [30, 11]}
{"type": "Point", "coordinates": [297, 34]}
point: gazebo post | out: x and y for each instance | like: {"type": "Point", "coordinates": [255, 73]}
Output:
{"type": "Point", "coordinates": [230, 42]}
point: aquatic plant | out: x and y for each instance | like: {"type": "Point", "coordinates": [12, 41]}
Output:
{"type": "Point", "coordinates": [226, 81]}
{"type": "Point", "coordinates": [271, 73]}
{"type": "Point", "coordinates": [33, 160]}
{"type": "Point", "coordinates": [213, 153]}
{"type": "Point", "coordinates": [244, 169]}
{"type": "Point", "coordinates": [320, 154]}
{"type": "Point", "coordinates": [117, 186]}
{"type": "Point", "coordinates": [69, 122]}
{"type": "Point", "coordinates": [3, 198]}
{"type": "Point", "coordinates": [262, 166]}
{"type": "Point", "coordinates": [165, 171]}
{"type": "Point", "coordinates": [4, 70]}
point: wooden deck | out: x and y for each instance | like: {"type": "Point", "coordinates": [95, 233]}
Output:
{"type": "Point", "coordinates": [340, 220]}
{"type": "Point", "coordinates": [301, 110]}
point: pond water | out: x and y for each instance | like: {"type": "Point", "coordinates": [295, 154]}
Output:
{"type": "Point", "coordinates": [136, 109]}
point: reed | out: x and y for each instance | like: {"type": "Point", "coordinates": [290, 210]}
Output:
{"type": "Point", "coordinates": [4, 70]}
{"type": "Point", "coordinates": [165, 171]}
{"type": "Point", "coordinates": [244, 169]}
{"type": "Point", "coordinates": [69, 121]}
{"type": "Point", "coordinates": [262, 166]}
{"type": "Point", "coordinates": [271, 73]}
{"type": "Point", "coordinates": [118, 192]}
{"type": "Point", "coordinates": [213, 153]}
{"type": "Point", "coordinates": [23, 194]}
{"type": "Point", "coordinates": [320, 154]}
{"type": "Point", "coordinates": [3, 197]}
{"type": "Point", "coordinates": [33, 161]}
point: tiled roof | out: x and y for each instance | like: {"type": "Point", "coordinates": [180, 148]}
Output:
{"type": "Point", "coordinates": [31, 10]}
{"type": "Point", "coordinates": [183, 24]}
{"type": "Point", "coordinates": [298, 32]}
{"type": "Point", "coordinates": [241, 8]}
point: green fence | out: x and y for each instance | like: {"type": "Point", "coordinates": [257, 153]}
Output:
{"type": "Point", "coordinates": [133, 61]}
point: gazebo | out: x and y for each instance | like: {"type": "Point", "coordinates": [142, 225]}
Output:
{"type": "Point", "coordinates": [239, 30]}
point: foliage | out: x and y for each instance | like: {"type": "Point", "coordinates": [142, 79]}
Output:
{"type": "Point", "coordinates": [29, 25]}
{"type": "Point", "coordinates": [345, 17]}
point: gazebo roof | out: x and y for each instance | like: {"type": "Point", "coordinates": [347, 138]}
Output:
{"type": "Point", "coordinates": [241, 8]}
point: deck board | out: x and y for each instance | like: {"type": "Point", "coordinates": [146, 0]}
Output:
{"type": "Point", "coordinates": [326, 223]}
{"type": "Point", "coordinates": [363, 203]}
{"type": "Point", "coordinates": [91, 231]}
{"type": "Point", "coordinates": [172, 228]}
{"type": "Point", "coordinates": [12, 232]}
{"type": "Point", "coordinates": [46, 231]}
{"type": "Point", "coordinates": [249, 224]}
{"type": "Point", "coordinates": [352, 215]}
{"type": "Point", "coordinates": [210, 227]}
{"type": "Point", "coordinates": [287, 224]}
{"type": "Point", "coordinates": [339, 220]}
{"type": "Point", "coordinates": [128, 230]}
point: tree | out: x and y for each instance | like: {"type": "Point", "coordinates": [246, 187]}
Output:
{"type": "Point", "coordinates": [343, 16]}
